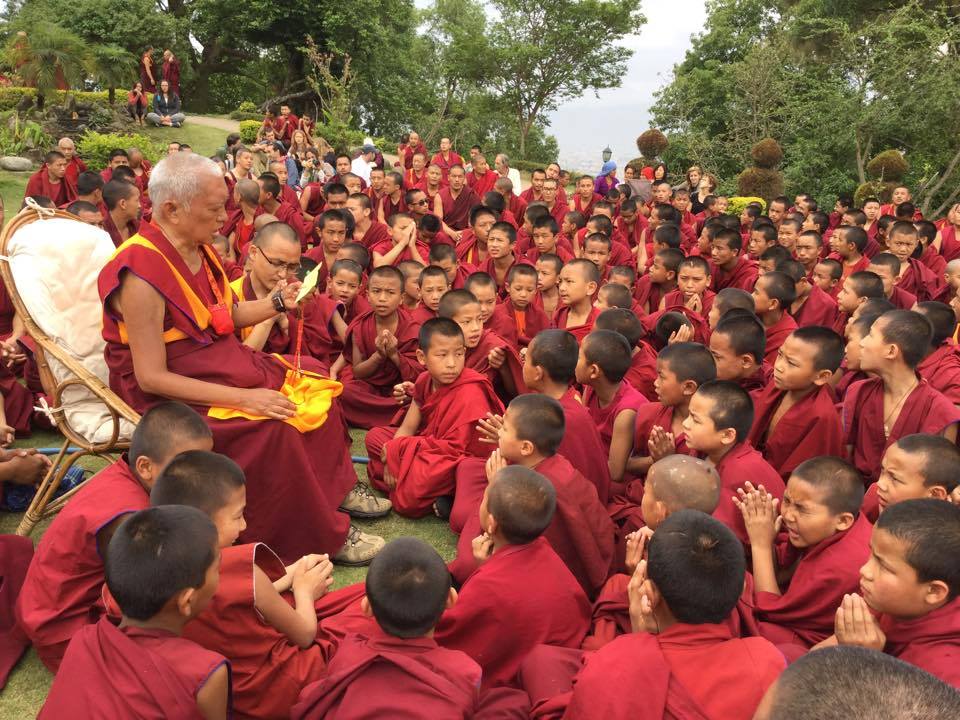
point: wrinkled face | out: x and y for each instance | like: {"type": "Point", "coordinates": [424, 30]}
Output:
{"type": "Point", "coordinates": [67, 147]}
{"type": "Point", "coordinates": [498, 244]}
{"type": "Point", "coordinates": [229, 519]}
{"type": "Point", "coordinates": [456, 178]}
{"type": "Point", "coordinates": [419, 162]}
{"type": "Point", "coordinates": [385, 295]}
{"type": "Point", "coordinates": [470, 320]}
{"type": "Point", "coordinates": [692, 281]}
{"type": "Point", "coordinates": [547, 276]}
{"type": "Point", "coordinates": [522, 290]}
{"type": "Point", "coordinates": [888, 583]}
{"type": "Point", "coordinates": [206, 214]}
{"type": "Point", "coordinates": [333, 235]}
{"type": "Point", "coordinates": [806, 518]}
{"type": "Point", "coordinates": [431, 290]}
{"type": "Point", "coordinates": [730, 366]}
{"type": "Point", "coordinates": [344, 286]}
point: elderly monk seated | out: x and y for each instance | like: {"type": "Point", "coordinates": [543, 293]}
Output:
{"type": "Point", "coordinates": [169, 320]}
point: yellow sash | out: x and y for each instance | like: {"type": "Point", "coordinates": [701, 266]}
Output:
{"type": "Point", "coordinates": [312, 394]}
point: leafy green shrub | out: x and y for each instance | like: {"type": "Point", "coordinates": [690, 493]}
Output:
{"type": "Point", "coordinates": [737, 203]}
{"type": "Point", "coordinates": [247, 106]}
{"type": "Point", "coordinates": [767, 153]}
{"type": "Point", "coordinates": [889, 165]}
{"type": "Point", "coordinates": [249, 130]}
{"type": "Point", "coordinates": [20, 135]}
{"type": "Point", "coordinates": [762, 179]}
{"type": "Point", "coordinates": [10, 96]}
{"type": "Point", "coordinates": [651, 143]}
{"type": "Point", "coordinates": [95, 147]}
{"type": "Point", "coordinates": [874, 188]}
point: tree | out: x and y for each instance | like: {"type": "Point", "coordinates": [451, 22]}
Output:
{"type": "Point", "coordinates": [547, 52]}
{"type": "Point", "coordinates": [113, 67]}
{"type": "Point", "coordinates": [49, 58]}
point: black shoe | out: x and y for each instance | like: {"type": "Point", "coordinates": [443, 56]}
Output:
{"type": "Point", "coordinates": [442, 506]}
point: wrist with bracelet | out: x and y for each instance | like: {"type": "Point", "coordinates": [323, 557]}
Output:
{"type": "Point", "coordinates": [278, 304]}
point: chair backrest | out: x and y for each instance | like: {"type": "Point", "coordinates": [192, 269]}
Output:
{"type": "Point", "coordinates": [55, 264]}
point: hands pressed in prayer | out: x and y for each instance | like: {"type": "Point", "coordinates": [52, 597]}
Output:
{"type": "Point", "coordinates": [760, 516]}
{"type": "Point", "coordinates": [661, 443]}
{"type": "Point", "coordinates": [856, 625]}
{"type": "Point", "coordinates": [495, 463]}
{"type": "Point", "coordinates": [637, 542]}
{"type": "Point", "coordinates": [641, 606]}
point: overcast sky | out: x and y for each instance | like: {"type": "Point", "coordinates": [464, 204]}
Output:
{"type": "Point", "coordinates": [585, 126]}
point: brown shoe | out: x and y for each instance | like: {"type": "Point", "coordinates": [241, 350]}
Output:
{"type": "Point", "coordinates": [359, 549]}
{"type": "Point", "coordinates": [363, 503]}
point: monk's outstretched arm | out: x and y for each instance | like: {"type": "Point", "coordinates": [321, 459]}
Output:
{"type": "Point", "coordinates": [142, 309]}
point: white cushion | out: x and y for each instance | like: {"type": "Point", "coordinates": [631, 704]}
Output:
{"type": "Point", "coordinates": [55, 264]}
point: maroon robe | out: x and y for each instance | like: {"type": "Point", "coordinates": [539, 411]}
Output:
{"type": "Point", "coordinates": [409, 151]}
{"type": "Point", "coordinates": [808, 429]}
{"type": "Point", "coordinates": [75, 166]}
{"type": "Point", "coordinates": [581, 531]}
{"type": "Point", "coordinates": [445, 163]}
{"type": "Point", "coordinates": [377, 233]}
{"type": "Point", "coordinates": [674, 299]}
{"type": "Point", "coordinates": [578, 331]}
{"type": "Point", "coordinates": [386, 245]}
{"type": "Point", "coordinates": [424, 464]}
{"type": "Point", "coordinates": [16, 553]}
{"type": "Point", "coordinates": [688, 672]}
{"type": "Point", "coordinates": [391, 208]}
{"type": "Point", "coordinates": [424, 680]}
{"type": "Point", "coordinates": [921, 281]}
{"type": "Point", "coordinates": [743, 275]}
{"type": "Point", "coordinates": [626, 398]}
{"type": "Point", "coordinates": [130, 672]}
{"type": "Point", "coordinates": [277, 341]}
{"type": "Point", "coordinates": [934, 260]}
{"type": "Point", "coordinates": [524, 593]}
{"type": "Point", "coordinates": [777, 334]}
{"type": "Point", "coordinates": [171, 73]}
{"type": "Point", "coordinates": [582, 444]}
{"type": "Point", "coordinates": [740, 464]}
{"type": "Point", "coordinates": [805, 613]}
{"type": "Point", "coordinates": [818, 309]}
{"type": "Point", "coordinates": [925, 411]}
{"type": "Point", "coordinates": [268, 669]}
{"type": "Point", "coordinates": [477, 359]}
{"type": "Point", "coordinates": [507, 324]}
{"type": "Point", "coordinates": [941, 368]}
{"type": "Point", "coordinates": [586, 208]}
{"type": "Point", "coordinates": [648, 294]}
{"type": "Point", "coordinates": [62, 193]}
{"type": "Point", "coordinates": [292, 215]}
{"type": "Point", "coordinates": [931, 642]}
{"type": "Point", "coordinates": [643, 371]}
{"type": "Point", "coordinates": [369, 402]}
{"type": "Point", "coordinates": [902, 299]}
{"type": "Point", "coordinates": [295, 481]}
{"type": "Point", "coordinates": [481, 184]}
{"type": "Point", "coordinates": [949, 242]}
{"type": "Point", "coordinates": [456, 210]}
{"type": "Point", "coordinates": [61, 592]}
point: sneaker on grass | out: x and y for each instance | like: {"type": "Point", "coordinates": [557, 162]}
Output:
{"type": "Point", "coordinates": [359, 549]}
{"type": "Point", "coordinates": [363, 503]}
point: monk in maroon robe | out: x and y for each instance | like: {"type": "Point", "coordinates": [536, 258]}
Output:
{"type": "Point", "coordinates": [15, 555]}
{"type": "Point", "coordinates": [729, 268]}
{"type": "Point", "coordinates": [51, 181]}
{"type": "Point", "coordinates": [941, 366]}
{"type": "Point", "coordinates": [170, 71]}
{"type": "Point", "coordinates": [169, 316]}
{"type": "Point", "coordinates": [457, 200]}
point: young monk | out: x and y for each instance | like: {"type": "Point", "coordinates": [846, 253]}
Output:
{"type": "Point", "coordinates": [433, 284]}
{"type": "Point", "coordinates": [161, 569]}
{"type": "Point", "coordinates": [911, 580]}
{"type": "Point", "coordinates": [249, 618]}
{"type": "Point", "coordinates": [614, 295]}
{"type": "Point", "coordinates": [914, 467]}
{"type": "Point", "coordinates": [717, 427]}
{"type": "Point", "coordinates": [61, 593]}
{"type": "Point", "coordinates": [472, 247]}
{"type": "Point", "coordinates": [415, 462]}
{"type": "Point", "coordinates": [484, 288]}
{"type": "Point", "coordinates": [410, 269]}
{"type": "Point", "coordinates": [941, 366]}
{"type": "Point", "coordinates": [886, 266]}
{"type": "Point", "coordinates": [579, 281]}
{"type": "Point", "coordinates": [682, 659]}
{"type": "Point", "coordinates": [731, 268]}
{"type": "Point", "coordinates": [773, 295]}
{"type": "Point", "coordinates": [517, 320]}
{"type": "Point", "coordinates": [581, 532]}
{"type": "Point", "coordinates": [546, 239]}
{"type": "Point", "coordinates": [811, 306]}
{"type": "Point", "coordinates": [681, 369]}
{"type": "Point", "coordinates": [858, 288]}
{"type": "Point", "coordinates": [642, 373]}
{"type": "Point", "coordinates": [522, 589]}
{"type": "Point", "coordinates": [847, 245]}
{"type": "Point", "coordinates": [894, 403]}
{"type": "Point", "coordinates": [444, 256]}
{"type": "Point", "coordinates": [728, 299]}
{"type": "Point", "coordinates": [737, 344]}
{"type": "Point", "coordinates": [827, 274]}
{"type": "Point", "coordinates": [549, 268]}
{"type": "Point", "coordinates": [331, 227]}
{"type": "Point", "coordinates": [380, 350]}
{"type": "Point", "coordinates": [402, 245]}
{"type": "Point", "coordinates": [605, 357]}
{"type": "Point", "coordinates": [915, 277]}
{"type": "Point", "coordinates": [367, 230]}
{"type": "Point", "coordinates": [655, 285]}
{"type": "Point", "coordinates": [827, 539]}
{"type": "Point", "coordinates": [501, 258]}
{"type": "Point", "coordinates": [487, 352]}
{"type": "Point", "coordinates": [795, 416]}
{"type": "Point", "coordinates": [407, 591]}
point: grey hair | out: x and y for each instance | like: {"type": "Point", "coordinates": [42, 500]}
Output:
{"type": "Point", "coordinates": [506, 160]}
{"type": "Point", "coordinates": [177, 178]}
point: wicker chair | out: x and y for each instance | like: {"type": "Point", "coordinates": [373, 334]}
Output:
{"type": "Point", "coordinates": [76, 445]}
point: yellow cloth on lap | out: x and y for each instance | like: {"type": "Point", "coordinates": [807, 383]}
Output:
{"type": "Point", "coordinates": [312, 394]}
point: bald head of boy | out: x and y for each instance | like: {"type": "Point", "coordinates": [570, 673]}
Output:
{"type": "Point", "coordinates": [679, 482]}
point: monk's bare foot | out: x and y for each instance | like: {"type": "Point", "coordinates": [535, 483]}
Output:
{"type": "Point", "coordinates": [24, 470]}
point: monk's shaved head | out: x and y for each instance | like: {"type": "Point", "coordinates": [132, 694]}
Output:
{"type": "Point", "coordinates": [682, 482]}
{"type": "Point", "coordinates": [262, 220]}
{"type": "Point", "coordinates": [249, 191]}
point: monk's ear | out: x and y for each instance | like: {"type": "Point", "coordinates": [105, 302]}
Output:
{"type": "Point", "coordinates": [527, 448]}
{"type": "Point", "coordinates": [938, 592]}
{"type": "Point", "coordinates": [746, 360]}
{"type": "Point", "coordinates": [421, 357]}
{"type": "Point", "coordinates": [145, 469]}
{"type": "Point", "coordinates": [492, 525]}
{"type": "Point", "coordinates": [452, 598]}
{"type": "Point", "coordinates": [938, 492]}
{"type": "Point", "coordinates": [365, 607]}
{"type": "Point", "coordinates": [728, 436]}
{"type": "Point", "coordinates": [844, 521]}
{"type": "Point", "coordinates": [184, 602]}
{"type": "Point", "coordinates": [689, 387]}
{"type": "Point", "coordinates": [822, 377]}
{"type": "Point", "coordinates": [591, 288]}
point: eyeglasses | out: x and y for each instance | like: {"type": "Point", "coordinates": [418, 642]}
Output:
{"type": "Point", "coordinates": [292, 268]}
{"type": "Point", "coordinates": [419, 202]}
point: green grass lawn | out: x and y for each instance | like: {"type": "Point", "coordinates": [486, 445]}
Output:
{"type": "Point", "coordinates": [30, 681]}
{"type": "Point", "coordinates": [204, 140]}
